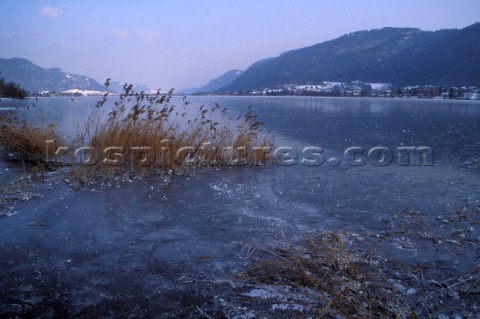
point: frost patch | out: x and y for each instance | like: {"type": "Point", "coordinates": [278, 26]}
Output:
{"type": "Point", "coordinates": [291, 307]}
{"type": "Point", "coordinates": [264, 294]}
{"type": "Point", "coordinates": [221, 188]}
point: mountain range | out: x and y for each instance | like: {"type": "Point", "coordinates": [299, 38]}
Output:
{"type": "Point", "coordinates": [35, 79]}
{"type": "Point", "coordinates": [401, 56]}
{"type": "Point", "coordinates": [117, 87]}
{"type": "Point", "coordinates": [215, 84]}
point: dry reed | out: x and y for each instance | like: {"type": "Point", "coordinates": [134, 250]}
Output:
{"type": "Point", "coordinates": [349, 285]}
{"type": "Point", "coordinates": [144, 133]}
{"type": "Point", "coordinates": [27, 143]}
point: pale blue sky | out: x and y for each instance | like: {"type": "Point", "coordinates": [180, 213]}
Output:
{"type": "Point", "coordinates": [182, 43]}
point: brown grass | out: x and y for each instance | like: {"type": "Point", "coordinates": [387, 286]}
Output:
{"type": "Point", "coordinates": [349, 284]}
{"type": "Point", "coordinates": [341, 275]}
{"type": "Point", "coordinates": [145, 133]}
{"type": "Point", "coordinates": [152, 135]}
{"type": "Point", "coordinates": [28, 143]}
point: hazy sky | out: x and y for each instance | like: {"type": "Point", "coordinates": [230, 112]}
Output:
{"type": "Point", "coordinates": [183, 44]}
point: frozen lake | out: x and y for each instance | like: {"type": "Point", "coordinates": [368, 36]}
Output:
{"type": "Point", "coordinates": [102, 248]}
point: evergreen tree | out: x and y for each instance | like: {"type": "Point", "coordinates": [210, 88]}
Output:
{"type": "Point", "coordinates": [11, 90]}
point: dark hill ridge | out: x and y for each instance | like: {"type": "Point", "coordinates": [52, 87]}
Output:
{"type": "Point", "coordinates": [34, 78]}
{"type": "Point", "coordinates": [402, 56]}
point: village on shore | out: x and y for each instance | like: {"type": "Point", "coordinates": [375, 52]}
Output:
{"type": "Point", "coordinates": [362, 89]}
{"type": "Point", "coordinates": [332, 89]}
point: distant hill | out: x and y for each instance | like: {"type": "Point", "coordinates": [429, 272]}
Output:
{"type": "Point", "coordinates": [401, 56]}
{"type": "Point", "coordinates": [117, 87]}
{"type": "Point", "coordinates": [34, 78]}
{"type": "Point", "coordinates": [215, 84]}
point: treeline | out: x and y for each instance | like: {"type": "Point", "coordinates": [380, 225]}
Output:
{"type": "Point", "coordinates": [12, 90]}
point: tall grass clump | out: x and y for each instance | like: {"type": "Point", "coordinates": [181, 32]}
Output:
{"type": "Point", "coordinates": [27, 143]}
{"type": "Point", "coordinates": [144, 133]}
